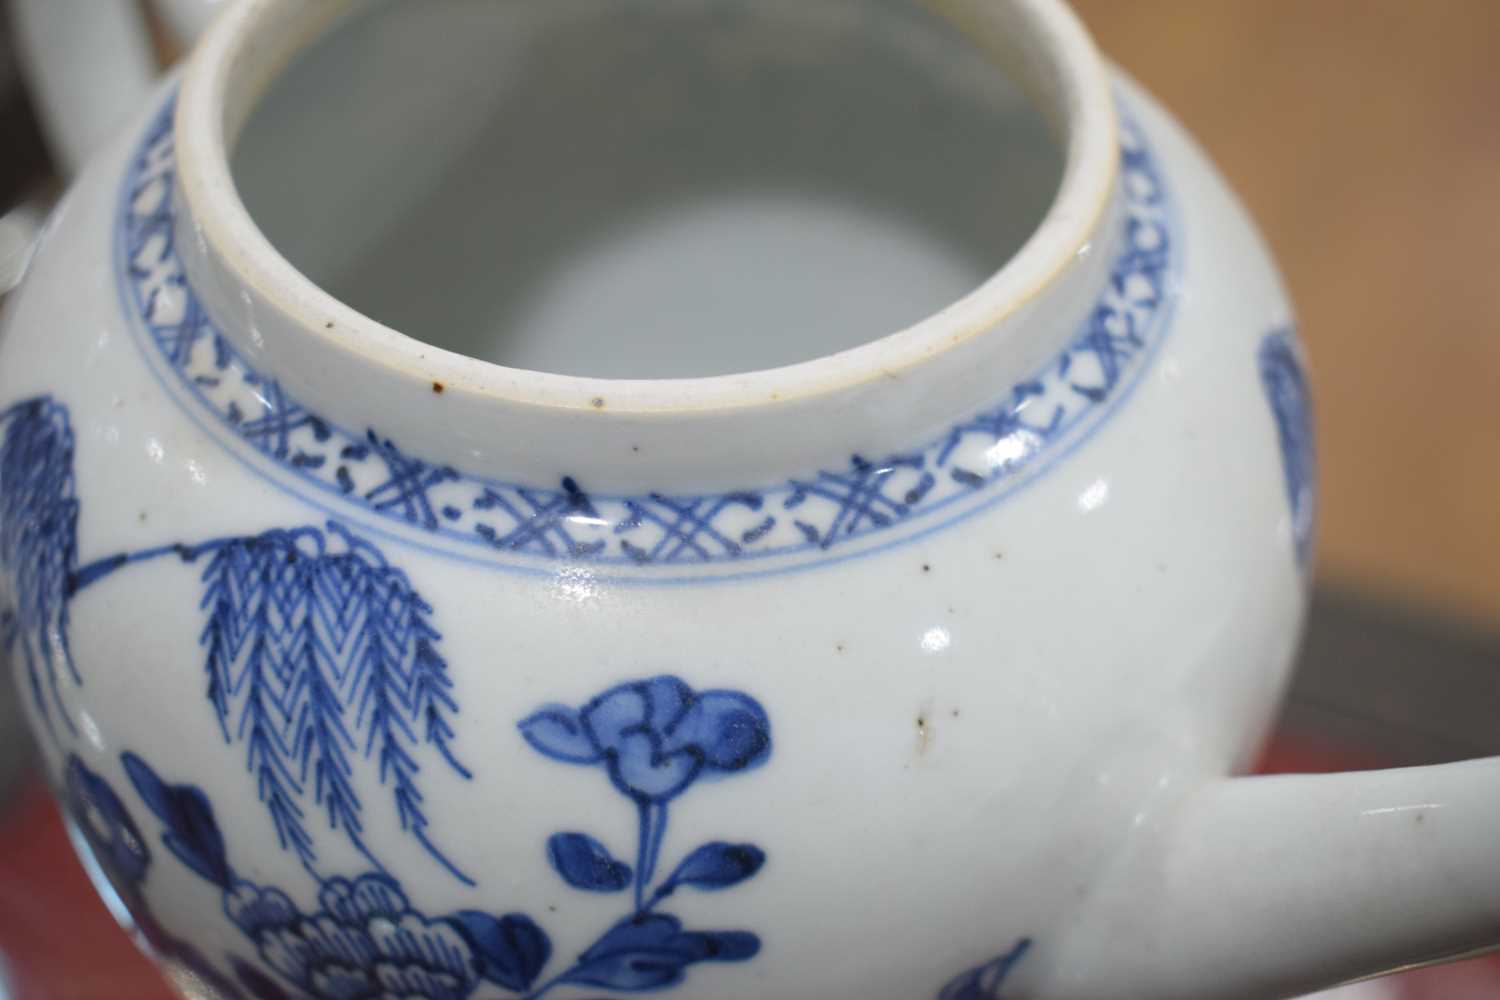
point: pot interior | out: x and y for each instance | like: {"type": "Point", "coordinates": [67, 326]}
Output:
{"type": "Point", "coordinates": [646, 188]}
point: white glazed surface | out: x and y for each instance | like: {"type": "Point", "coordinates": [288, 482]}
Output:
{"type": "Point", "coordinates": [89, 65]}
{"type": "Point", "coordinates": [978, 732]}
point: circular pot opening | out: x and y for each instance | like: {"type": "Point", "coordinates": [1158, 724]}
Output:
{"type": "Point", "coordinates": [648, 188]}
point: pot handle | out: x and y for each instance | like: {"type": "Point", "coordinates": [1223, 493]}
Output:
{"type": "Point", "coordinates": [90, 64]}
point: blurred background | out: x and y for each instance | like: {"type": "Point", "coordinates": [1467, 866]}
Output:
{"type": "Point", "coordinates": [1364, 136]}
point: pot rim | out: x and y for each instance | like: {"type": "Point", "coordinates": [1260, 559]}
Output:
{"type": "Point", "coordinates": [1040, 42]}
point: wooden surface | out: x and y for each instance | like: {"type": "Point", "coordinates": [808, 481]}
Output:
{"type": "Point", "coordinates": [1364, 135]}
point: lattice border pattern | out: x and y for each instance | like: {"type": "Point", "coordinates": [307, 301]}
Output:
{"type": "Point", "coordinates": [1009, 441]}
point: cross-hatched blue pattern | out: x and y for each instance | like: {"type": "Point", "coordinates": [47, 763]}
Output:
{"type": "Point", "coordinates": [1031, 423]}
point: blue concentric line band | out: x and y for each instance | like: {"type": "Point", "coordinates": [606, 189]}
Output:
{"type": "Point", "coordinates": [972, 464]}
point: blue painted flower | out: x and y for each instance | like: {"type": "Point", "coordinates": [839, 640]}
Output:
{"type": "Point", "coordinates": [365, 941]}
{"type": "Point", "coordinates": [112, 835]}
{"type": "Point", "coordinates": [656, 737]}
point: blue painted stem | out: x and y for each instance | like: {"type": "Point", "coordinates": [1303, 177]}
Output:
{"type": "Point", "coordinates": [643, 844]}
{"type": "Point", "coordinates": [653, 853]}
{"type": "Point", "coordinates": [653, 827]}
{"type": "Point", "coordinates": [101, 568]}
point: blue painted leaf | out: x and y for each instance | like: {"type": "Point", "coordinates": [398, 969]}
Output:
{"type": "Point", "coordinates": [512, 950]}
{"type": "Point", "coordinates": [153, 790]}
{"type": "Point", "coordinates": [651, 951]}
{"type": "Point", "coordinates": [557, 731]}
{"type": "Point", "coordinates": [584, 863]}
{"type": "Point", "coordinates": [716, 865]}
{"type": "Point", "coordinates": [192, 834]}
{"type": "Point", "coordinates": [966, 986]}
{"type": "Point", "coordinates": [632, 955]}
{"type": "Point", "coordinates": [106, 824]}
{"type": "Point", "coordinates": [717, 946]}
{"type": "Point", "coordinates": [256, 983]}
{"type": "Point", "coordinates": [984, 982]}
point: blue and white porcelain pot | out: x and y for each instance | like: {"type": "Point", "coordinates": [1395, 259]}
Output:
{"type": "Point", "coordinates": [764, 499]}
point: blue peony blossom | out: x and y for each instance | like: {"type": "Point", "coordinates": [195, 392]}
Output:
{"type": "Point", "coordinates": [365, 941]}
{"type": "Point", "coordinates": [656, 737]}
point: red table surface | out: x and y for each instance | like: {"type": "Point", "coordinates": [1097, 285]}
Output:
{"type": "Point", "coordinates": [61, 943]}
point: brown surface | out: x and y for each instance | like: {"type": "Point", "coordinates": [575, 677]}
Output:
{"type": "Point", "coordinates": [1365, 138]}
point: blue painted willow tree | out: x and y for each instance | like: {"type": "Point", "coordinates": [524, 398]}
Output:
{"type": "Point", "coordinates": [317, 651]}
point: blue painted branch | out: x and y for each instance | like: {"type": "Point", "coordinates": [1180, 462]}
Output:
{"type": "Point", "coordinates": [101, 568]}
